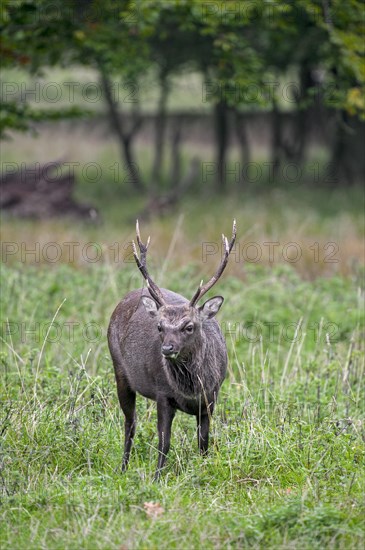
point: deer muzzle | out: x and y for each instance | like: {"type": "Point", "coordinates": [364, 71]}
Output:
{"type": "Point", "coordinates": [169, 350]}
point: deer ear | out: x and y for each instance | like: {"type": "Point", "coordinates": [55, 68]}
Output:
{"type": "Point", "coordinates": [211, 307]}
{"type": "Point", "coordinates": [150, 305]}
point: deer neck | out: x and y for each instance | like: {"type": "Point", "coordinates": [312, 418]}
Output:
{"type": "Point", "coordinates": [186, 374]}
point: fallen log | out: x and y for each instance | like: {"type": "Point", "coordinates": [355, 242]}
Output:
{"type": "Point", "coordinates": [42, 191]}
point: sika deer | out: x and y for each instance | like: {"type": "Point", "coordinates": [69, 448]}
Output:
{"type": "Point", "coordinates": [170, 350]}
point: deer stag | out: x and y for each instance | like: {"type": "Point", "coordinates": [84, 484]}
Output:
{"type": "Point", "coordinates": [170, 350]}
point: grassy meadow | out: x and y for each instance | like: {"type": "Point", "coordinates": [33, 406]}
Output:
{"type": "Point", "coordinates": [286, 462]}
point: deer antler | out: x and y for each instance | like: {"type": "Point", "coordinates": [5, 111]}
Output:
{"type": "Point", "coordinates": [203, 289]}
{"type": "Point", "coordinates": [141, 264]}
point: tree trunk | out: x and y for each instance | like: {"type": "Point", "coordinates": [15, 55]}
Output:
{"type": "Point", "coordinates": [295, 145]}
{"type": "Point", "coordinates": [243, 142]}
{"type": "Point", "coordinates": [160, 127]}
{"type": "Point", "coordinates": [276, 143]}
{"type": "Point", "coordinates": [124, 137]}
{"type": "Point", "coordinates": [347, 164]}
{"type": "Point", "coordinates": [306, 83]}
{"type": "Point", "coordinates": [221, 129]}
{"type": "Point", "coordinates": [175, 173]}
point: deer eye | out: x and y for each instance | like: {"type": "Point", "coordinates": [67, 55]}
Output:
{"type": "Point", "coordinates": [189, 329]}
{"type": "Point", "coordinates": [159, 327]}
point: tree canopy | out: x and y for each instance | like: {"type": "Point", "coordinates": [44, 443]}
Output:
{"type": "Point", "coordinates": [236, 46]}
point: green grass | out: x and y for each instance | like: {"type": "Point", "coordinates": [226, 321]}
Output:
{"type": "Point", "coordinates": [285, 468]}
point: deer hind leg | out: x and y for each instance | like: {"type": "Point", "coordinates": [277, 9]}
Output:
{"type": "Point", "coordinates": [127, 400]}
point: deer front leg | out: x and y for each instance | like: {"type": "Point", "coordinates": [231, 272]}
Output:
{"type": "Point", "coordinates": [165, 416]}
{"type": "Point", "coordinates": [203, 432]}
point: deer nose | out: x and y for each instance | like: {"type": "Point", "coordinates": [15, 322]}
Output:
{"type": "Point", "coordinates": [167, 349]}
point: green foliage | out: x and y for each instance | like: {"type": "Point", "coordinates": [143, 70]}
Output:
{"type": "Point", "coordinates": [18, 116]}
{"type": "Point", "coordinates": [39, 34]}
{"type": "Point", "coordinates": [235, 45]}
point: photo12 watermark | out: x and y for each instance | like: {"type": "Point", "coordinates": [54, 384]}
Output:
{"type": "Point", "coordinates": [68, 91]}
{"type": "Point", "coordinates": [234, 173]}
{"type": "Point", "coordinates": [91, 252]}
{"type": "Point", "coordinates": [251, 11]}
{"type": "Point", "coordinates": [273, 251]}
{"type": "Point", "coordinates": [287, 92]}
{"type": "Point", "coordinates": [267, 172]}
{"type": "Point", "coordinates": [234, 331]}
{"type": "Point", "coordinates": [55, 172]}
{"type": "Point", "coordinates": [67, 252]}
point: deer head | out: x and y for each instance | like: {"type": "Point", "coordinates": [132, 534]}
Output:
{"type": "Point", "coordinates": [180, 326]}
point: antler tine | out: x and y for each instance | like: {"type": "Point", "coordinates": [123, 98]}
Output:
{"type": "Point", "coordinates": [141, 264]}
{"type": "Point", "coordinates": [234, 234]}
{"type": "Point", "coordinates": [139, 241]}
{"type": "Point", "coordinates": [203, 289]}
